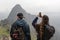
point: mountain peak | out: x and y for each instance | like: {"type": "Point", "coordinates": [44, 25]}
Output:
{"type": "Point", "coordinates": [17, 6]}
{"type": "Point", "coordinates": [15, 10]}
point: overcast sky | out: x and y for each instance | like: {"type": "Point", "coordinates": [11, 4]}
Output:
{"type": "Point", "coordinates": [31, 6]}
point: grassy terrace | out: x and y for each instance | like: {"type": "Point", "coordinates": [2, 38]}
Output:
{"type": "Point", "coordinates": [4, 31]}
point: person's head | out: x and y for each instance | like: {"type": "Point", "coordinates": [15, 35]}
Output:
{"type": "Point", "coordinates": [20, 15]}
{"type": "Point", "coordinates": [45, 19]}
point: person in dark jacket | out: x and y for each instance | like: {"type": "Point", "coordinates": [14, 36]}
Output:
{"type": "Point", "coordinates": [21, 22]}
{"type": "Point", "coordinates": [44, 30]}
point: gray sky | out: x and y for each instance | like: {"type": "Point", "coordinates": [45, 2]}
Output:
{"type": "Point", "coordinates": [31, 6]}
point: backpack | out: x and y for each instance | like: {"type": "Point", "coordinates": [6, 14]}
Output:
{"type": "Point", "coordinates": [51, 31]}
{"type": "Point", "coordinates": [18, 33]}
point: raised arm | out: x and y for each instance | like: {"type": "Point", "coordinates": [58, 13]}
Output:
{"type": "Point", "coordinates": [34, 21]}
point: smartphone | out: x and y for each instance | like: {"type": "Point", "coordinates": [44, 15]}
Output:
{"type": "Point", "coordinates": [40, 14]}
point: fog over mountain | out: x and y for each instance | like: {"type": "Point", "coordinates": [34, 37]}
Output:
{"type": "Point", "coordinates": [29, 18]}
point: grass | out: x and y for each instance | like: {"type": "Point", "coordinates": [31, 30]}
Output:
{"type": "Point", "coordinates": [3, 31]}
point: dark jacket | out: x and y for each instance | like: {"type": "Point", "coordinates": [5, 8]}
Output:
{"type": "Point", "coordinates": [47, 33]}
{"type": "Point", "coordinates": [26, 29]}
